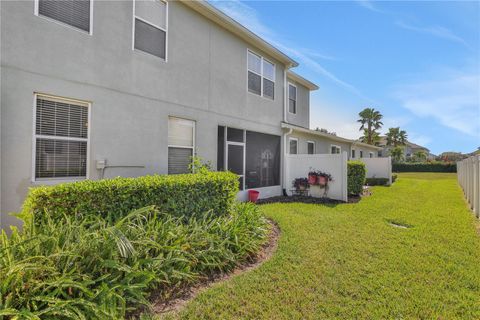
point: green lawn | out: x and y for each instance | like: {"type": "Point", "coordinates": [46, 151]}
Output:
{"type": "Point", "coordinates": [348, 262]}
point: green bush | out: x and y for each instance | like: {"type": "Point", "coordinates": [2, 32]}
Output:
{"type": "Point", "coordinates": [88, 268]}
{"type": "Point", "coordinates": [376, 181]}
{"type": "Point", "coordinates": [425, 167]}
{"type": "Point", "coordinates": [356, 177]}
{"type": "Point", "coordinates": [394, 177]}
{"type": "Point", "coordinates": [178, 195]}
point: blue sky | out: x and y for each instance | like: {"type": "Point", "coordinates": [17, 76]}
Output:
{"type": "Point", "coordinates": [418, 62]}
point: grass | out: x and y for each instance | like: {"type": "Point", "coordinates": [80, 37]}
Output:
{"type": "Point", "coordinates": [349, 262]}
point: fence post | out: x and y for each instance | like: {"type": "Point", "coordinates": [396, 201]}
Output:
{"type": "Point", "coordinates": [345, 176]}
{"type": "Point", "coordinates": [476, 186]}
{"type": "Point", "coordinates": [389, 170]}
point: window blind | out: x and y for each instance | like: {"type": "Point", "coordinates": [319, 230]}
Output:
{"type": "Point", "coordinates": [75, 13]}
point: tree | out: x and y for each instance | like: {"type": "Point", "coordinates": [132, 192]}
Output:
{"type": "Point", "coordinates": [420, 156]}
{"type": "Point", "coordinates": [396, 137]}
{"type": "Point", "coordinates": [371, 122]}
{"type": "Point", "coordinates": [397, 154]}
{"type": "Point", "coordinates": [375, 137]}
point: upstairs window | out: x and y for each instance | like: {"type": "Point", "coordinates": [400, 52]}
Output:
{"type": "Point", "coordinates": [311, 147]}
{"type": "Point", "coordinates": [150, 27]}
{"type": "Point", "coordinates": [61, 138]}
{"type": "Point", "coordinates": [181, 144]}
{"type": "Point", "coordinates": [361, 154]}
{"type": "Point", "coordinates": [353, 153]}
{"type": "Point", "coordinates": [75, 13]}
{"type": "Point", "coordinates": [261, 76]}
{"type": "Point", "coordinates": [335, 149]}
{"type": "Point", "coordinates": [292, 98]}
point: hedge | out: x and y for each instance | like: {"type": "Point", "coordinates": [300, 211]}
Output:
{"type": "Point", "coordinates": [356, 177]}
{"type": "Point", "coordinates": [178, 195]}
{"type": "Point", "coordinates": [377, 181]}
{"type": "Point", "coordinates": [424, 167]}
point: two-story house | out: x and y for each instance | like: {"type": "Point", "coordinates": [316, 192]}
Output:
{"type": "Point", "coordinates": [99, 89]}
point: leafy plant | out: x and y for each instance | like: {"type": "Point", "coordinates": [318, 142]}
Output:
{"type": "Point", "coordinates": [370, 120]}
{"type": "Point", "coordinates": [396, 137]}
{"type": "Point", "coordinates": [397, 154]}
{"type": "Point", "coordinates": [299, 183]}
{"type": "Point", "coordinates": [198, 165]}
{"type": "Point", "coordinates": [425, 167]}
{"type": "Point", "coordinates": [356, 174]}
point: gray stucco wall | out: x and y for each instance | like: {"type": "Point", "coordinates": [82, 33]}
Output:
{"type": "Point", "coordinates": [132, 93]}
{"type": "Point", "coordinates": [302, 117]}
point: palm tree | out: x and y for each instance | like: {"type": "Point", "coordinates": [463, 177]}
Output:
{"type": "Point", "coordinates": [420, 156]}
{"type": "Point", "coordinates": [375, 137]}
{"type": "Point", "coordinates": [396, 137]}
{"type": "Point", "coordinates": [397, 154]}
{"type": "Point", "coordinates": [370, 120]}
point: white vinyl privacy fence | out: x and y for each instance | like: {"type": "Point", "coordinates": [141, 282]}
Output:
{"type": "Point", "coordinates": [378, 168]}
{"type": "Point", "coordinates": [298, 166]}
{"type": "Point", "coordinates": [468, 173]}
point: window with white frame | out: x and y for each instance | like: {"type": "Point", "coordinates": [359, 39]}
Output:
{"type": "Point", "coordinates": [335, 149]}
{"type": "Point", "coordinates": [150, 27]}
{"type": "Point", "coordinates": [293, 146]}
{"type": "Point", "coordinates": [75, 13]}
{"type": "Point", "coordinates": [292, 98]}
{"type": "Point", "coordinates": [181, 144]}
{"type": "Point", "coordinates": [261, 76]}
{"type": "Point", "coordinates": [61, 138]}
{"type": "Point", "coordinates": [310, 147]}
{"type": "Point", "coordinates": [353, 153]}
{"type": "Point", "coordinates": [361, 154]}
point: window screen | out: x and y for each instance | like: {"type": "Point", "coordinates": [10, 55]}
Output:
{"type": "Point", "coordinates": [181, 133]}
{"type": "Point", "coordinates": [61, 135]}
{"type": "Point", "coordinates": [262, 160]}
{"type": "Point", "coordinates": [310, 147]}
{"type": "Point", "coordinates": [292, 99]}
{"type": "Point", "coordinates": [221, 149]}
{"type": "Point", "coordinates": [151, 27]}
{"type": "Point", "coordinates": [235, 159]}
{"type": "Point", "coordinates": [293, 146]}
{"type": "Point", "coordinates": [235, 135]}
{"type": "Point", "coordinates": [75, 13]}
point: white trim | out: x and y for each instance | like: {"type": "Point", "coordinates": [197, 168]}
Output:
{"type": "Point", "coordinates": [153, 25]}
{"type": "Point", "coordinates": [39, 136]}
{"type": "Point", "coordinates": [262, 59]}
{"type": "Point", "coordinates": [292, 139]}
{"type": "Point", "coordinates": [311, 142]}
{"type": "Point", "coordinates": [288, 97]}
{"type": "Point", "coordinates": [336, 146]}
{"type": "Point", "coordinates": [90, 27]}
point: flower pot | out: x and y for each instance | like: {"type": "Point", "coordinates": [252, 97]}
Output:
{"type": "Point", "coordinates": [312, 179]}
{"type": "Point", "coordinates": [322, 180]}
{"type": "Point", "coordinates": [253, 195]}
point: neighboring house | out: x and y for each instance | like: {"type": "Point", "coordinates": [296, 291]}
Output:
{"type": "Point", "coordinates": [99, 89]}
{"type": "Point", "coordinates": [409, 149]}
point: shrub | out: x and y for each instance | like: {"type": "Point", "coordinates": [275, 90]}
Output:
{"type": "Point", "coordinates": [178, 195]}
{"type": "Point", "coordinates": [425, 167]}
{"type": "Point", "coordinates": [87, 268]}
{"type": "Point", "coordinates": [394, 177]}
{"type": "Point", "coordinates": [376, 181]}
{"type": "Point", "coordinates": [356, 177]}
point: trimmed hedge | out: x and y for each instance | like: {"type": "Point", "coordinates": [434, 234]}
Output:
{"type": "Point", "coordinates": [424, 167]}
{"type": "Point", "coordinates": [356, 177]}
{"type": "Point", "coordinates": [178, 195]}
{"type": "Point", "coordinates": [377, 181]}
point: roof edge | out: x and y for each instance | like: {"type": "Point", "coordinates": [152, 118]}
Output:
{"type": "Point", "coordinates": [223, 20]}
{"type": "Point", "coordinates": [298, 78]}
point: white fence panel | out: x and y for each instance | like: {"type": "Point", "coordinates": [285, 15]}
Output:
{"type": "Point", "coordinates": [378, 168]}
{"type": "Point", "coordinates": [298, 166]}
{"type": "Point", "coordinates": [468, 173]}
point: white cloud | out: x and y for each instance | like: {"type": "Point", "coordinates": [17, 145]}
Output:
{"type": "Point", "coordinates": [454, 101]}
{"type": "Point", "coordinates": [368, 5]}
{"type": "Point", "coordinates": [248, 17]}
{"type": "Point", "coordinates": [437, 31]}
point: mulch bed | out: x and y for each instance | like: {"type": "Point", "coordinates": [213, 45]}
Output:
{"type": "Point", "coordinates": [306, 199]}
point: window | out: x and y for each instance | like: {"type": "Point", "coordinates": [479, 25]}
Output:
{"type": "Point", "coordinates": [150, 27]}
{"type": "Point", "coordinates": [293, 146]}
{"type": "Point", "coordinates": [181, 144]}
{"type": "Point", "coordinates": [253, 156]}
{"type": "Point", "coordinates": [361, 154]}
{"type": "Point", "coordinates": [310, 147]}
{"type": "Point", "coordinates": [75, 13]}
{"type": "Point", "coordinates": [353, 153]}
{"type": "Point", "coordinates": [370, 154]}
{"type": "Point", "coordinates": [379, 154]}
{"type": "Point", "coordinates": [335, 149]}
{"type": "Point", "coordinates": [292, 98]}
{"type": "Point", "coordinates": [61, 138]}
{"type": "Point", "coordinates": [261, 76]}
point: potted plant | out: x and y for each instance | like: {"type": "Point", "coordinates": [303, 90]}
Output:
{"type": "Point", "coordinates": [312, 177]}
{"type": "Point", "coordinates": [323, 178]}
{"type": "Point", "coordinates": [300, 183]}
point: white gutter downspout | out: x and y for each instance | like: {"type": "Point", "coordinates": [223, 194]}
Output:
{"type": "Point", "coordinates": [285, 169]}
{"type": "Point", "coordinates": [285, 95]}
